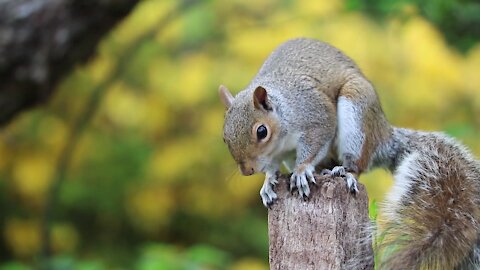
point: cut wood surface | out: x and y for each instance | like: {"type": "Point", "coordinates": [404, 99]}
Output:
{"type": "Point", "coordinates": [330, 230]}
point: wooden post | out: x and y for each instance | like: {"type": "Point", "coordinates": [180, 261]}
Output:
{"type": "Point", "coordinates": [328, 231]}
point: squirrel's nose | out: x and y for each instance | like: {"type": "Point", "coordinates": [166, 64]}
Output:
{"type": "Point", "coordinates": [246, 170]}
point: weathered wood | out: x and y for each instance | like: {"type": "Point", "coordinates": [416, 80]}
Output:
{"type": "Point", "coordinates": [328, 231]}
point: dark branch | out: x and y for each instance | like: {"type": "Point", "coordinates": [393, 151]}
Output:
{"type": "Point", "coordinates": [42, 40]}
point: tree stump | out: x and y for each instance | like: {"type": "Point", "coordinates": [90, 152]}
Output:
{"type": "Point", "coordinates": [330, 230]}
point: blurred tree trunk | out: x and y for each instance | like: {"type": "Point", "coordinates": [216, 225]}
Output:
{"type": "Point", "coordinates": [329, 231]}
{"type": "Point", "coordinates": [42, 40]}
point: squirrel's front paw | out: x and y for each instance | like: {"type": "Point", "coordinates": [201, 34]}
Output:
{"type": "Point", "coordinates": [300, 178]}
{"type": "Point", "coordinates": [266, 192]}
{"type": "Point", "coordinates": [341, 172]}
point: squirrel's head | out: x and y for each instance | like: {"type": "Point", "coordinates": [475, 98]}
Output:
{"type": "Point", "coordinates": [250, 129]}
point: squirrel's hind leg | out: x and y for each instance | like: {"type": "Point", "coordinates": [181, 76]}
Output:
{"type": "Point", "coordinates": [339, 171]}
{"type": "Point", "coordinates": [349, 142]}
{"type": "Point", "coordinates": [360, 125]}
{"type": "Point", "coordinates": [350, 137]}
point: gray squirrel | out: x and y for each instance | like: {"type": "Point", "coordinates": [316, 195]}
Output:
{"type": "Point", "coordinates": [311, 102]}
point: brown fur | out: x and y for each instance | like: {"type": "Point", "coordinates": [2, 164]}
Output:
{"type": "Point", "coordinates": [374, 124]}
{"type": "Point", "coordinates": [436, 224]}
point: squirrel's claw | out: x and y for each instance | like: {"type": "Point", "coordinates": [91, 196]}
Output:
{"type": "Point", "coordinates": [310, 176]}
{"type": "Point", "coordinates": [339, 171]}
{"type": "Point", "coordinates": [266, 192]}
{"type": "Point", "coordinates": [326, 172]}
{"type": "Point", "coordinates": [351, 183]}
{"type": "Point", "coordinates": [300, 180]}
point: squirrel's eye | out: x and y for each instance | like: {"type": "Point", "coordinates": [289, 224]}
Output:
{"type": "Point", "coordinates": [261, 132]}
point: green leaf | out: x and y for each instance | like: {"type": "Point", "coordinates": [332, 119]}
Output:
{"type": "Point", "coordinates": [199, 25]}
{"type": "Point", "coordinates": [14, 266]}
{"type": "Point", "coordinates": [90, 265]}
{"type": "Point", "coordinates": [207, 255]}
{"type": "Point", "coordinates": [160, 257]}
{"type": "Point", "coordinates": [373, 210]}
{"type": "Point", "coordinates": [459, 130]}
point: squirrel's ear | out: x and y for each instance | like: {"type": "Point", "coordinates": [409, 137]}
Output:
{"type": "Point", "coordinates": [225, 96]}
{"type": "Point", "coordinates": [260, 99]}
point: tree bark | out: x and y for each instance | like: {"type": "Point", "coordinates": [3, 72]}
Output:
{"type": "Point", "coordinates": [328, 231]}
{"type": "Point", "coordinates": [42, 40]}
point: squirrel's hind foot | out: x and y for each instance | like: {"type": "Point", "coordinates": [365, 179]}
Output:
{"type": "Point", "coordinates": [339, 171]}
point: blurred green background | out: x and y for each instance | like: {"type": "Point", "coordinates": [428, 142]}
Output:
{"type": "Point", "coordinates": [149, 184]}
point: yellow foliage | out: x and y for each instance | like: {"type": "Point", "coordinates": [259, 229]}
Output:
{"type": "Point", "coordinates": [256, 44]}
{"type": "Point", "coordinates": [249, 264]}
{"type": "Point", "coordinates": [159, 70]}
{"type": "Point", "coordinates": [100, 68]}
{"type": "Point", "coordinates": [64, 238]}
{"type": "Point", "coordinates": [410, 10]}
{"type": "Point", "coordinates": [4, 154]}
{"type": "Point", "coordinates": [238, 10]}
{"type": "Point", "coordinates": [228, 75]}
{"type": "Point", "coordinates": [211, 120]}
{"type": "Point", "coordinates": [187, 82]}
{"type": "Point", "coordinates": [150, 207]}
{"type": "Point", "coordinates": [172, 33]}
{"type": "Point", "coordinates": [251, 45]}
{"type": "Point", "coordinates": [191, 81]}
{"type": "Point", "coordinates": [85, 144]}
{"type": "Point", "coordinates": [343, 33]}
{"type": "Point", "coordinates": [206, 200]}
{"type": "Point", "coordinates": [124, 107]}
{"type": "Point", "coordinates": [242, 189]}
{"type": "Point", "coordinates": [427, 52]}
{"type": "Point", "coordinates": [253, 6]}
{"type": "Point", "coordinates": [434, 69]}
{"type": "Point", "coordinates": [158, 118]}
{"type": "Point", "coordinates": [146, 16]}
{"type": "Point", "coordinates": [377, 183]}
{"type": "Point", "coordinates": [31, 175]}
{"type": "Point", "coordinates": [22, 236]}
{"type": "Point", "coordinates": [175, 159]}
{"type": "Point", "coordinates": [472, 71]}
{"type": "Point", "coordinates": [317, 8]}
{"type": "Point", "coordinates": [53, 132]}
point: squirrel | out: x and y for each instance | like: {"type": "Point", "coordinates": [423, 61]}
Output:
{"type": "Point", "coordinates": [312, 102]}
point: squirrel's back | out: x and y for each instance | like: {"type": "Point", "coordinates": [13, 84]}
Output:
{"type": "Point", "coordinates": [433, 218]}
{"type": "Point", "coordinates": [303, 63]}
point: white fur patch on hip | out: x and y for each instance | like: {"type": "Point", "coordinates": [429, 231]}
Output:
{"type": "Point", "coordinates": [350, 136]}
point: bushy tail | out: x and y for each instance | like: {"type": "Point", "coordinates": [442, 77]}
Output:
{"type": "Point", "coordinates": [473, 259]}
{"type": "Point", "coordinates": [433, 214]}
